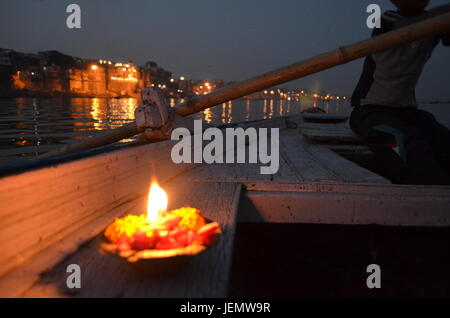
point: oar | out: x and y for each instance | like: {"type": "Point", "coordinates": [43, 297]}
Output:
{"type": "Point", "coordinates": [341, 55]}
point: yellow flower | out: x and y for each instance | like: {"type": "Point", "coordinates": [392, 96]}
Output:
{"type": "Point", "coordinates": [125, 226]}
{"type": "Point", "coordinates": [190, 217]}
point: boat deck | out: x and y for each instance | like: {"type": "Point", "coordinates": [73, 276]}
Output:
{"type": "Point", "coordinates": [56, 215]}
{"type": "Point", "coordinates": [302, 160]}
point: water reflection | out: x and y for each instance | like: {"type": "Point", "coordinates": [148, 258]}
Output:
{"type": "Point", "coordinates": [208, 115]}
{"type": "Point", "coordinates": [224, 114]}
{"type": "Point", "coordinates": [112, 113]}
{"type": "Point", "coordinates": [95, 113]}
{"type": "Point", "coordinates": [229, 112]}
{"type": "Point", "coordinates": [29, 126]}
{"type": "Point", "coordinates": [265, 109]}
{"type": "Point", "coordinates": [247, 110]}
{"type": "Point", "coordinates": [270, 115]}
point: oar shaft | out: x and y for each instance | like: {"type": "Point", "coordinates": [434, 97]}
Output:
{"type": "Point", "coordinates": [341, 55]}
{"type": "Point", "coordinates": [102, 139]}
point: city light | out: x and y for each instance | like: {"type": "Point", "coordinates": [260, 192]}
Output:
{"type": "Point", "coordinates": [125, 79]}
{"type": "Point", "coordinates": [126, 76]}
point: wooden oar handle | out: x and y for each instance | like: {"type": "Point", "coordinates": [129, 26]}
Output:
{"type": "Point", "coordinates": [341, 55]}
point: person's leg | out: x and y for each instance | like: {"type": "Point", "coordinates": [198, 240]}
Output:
{"type": "Point", "coordinates": [437, 135]}
{"type": "Point", "coordinates": [415, 163]}
{"type": "Point", "coordinates": [392, 166]}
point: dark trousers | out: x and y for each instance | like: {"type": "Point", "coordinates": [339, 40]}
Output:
{"type": "Point", "coordinates": [422, 152]}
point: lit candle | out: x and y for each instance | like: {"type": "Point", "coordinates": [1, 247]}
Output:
{"type": "Point", "coordinates": [161, 229]}
{"type": "Point", "coordinates": [156, 203]}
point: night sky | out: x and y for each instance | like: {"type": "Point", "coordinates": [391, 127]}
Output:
{"type": "Point", "coordinates": [199, 39]}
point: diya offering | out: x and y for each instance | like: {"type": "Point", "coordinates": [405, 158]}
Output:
{"type": "Point", "coordinates": [160, 241]}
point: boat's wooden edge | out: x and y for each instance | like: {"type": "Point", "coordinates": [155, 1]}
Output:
{"type": "Point", "coordinates": [347, 204]}
{"type": "Point", "coordinates": [353, 188]}
{"type": "Point", "coordinates": [37, 163]}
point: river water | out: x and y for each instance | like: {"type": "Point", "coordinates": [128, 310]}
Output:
{"type": "Point", "coordinates": [30, 126]}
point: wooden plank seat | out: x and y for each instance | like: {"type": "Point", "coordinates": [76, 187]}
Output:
{"type": "Point", "coordinates": [325, 132]}
{"type": "Point", "coordinates": [337, 137]}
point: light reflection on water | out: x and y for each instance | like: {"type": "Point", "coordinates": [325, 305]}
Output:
{"type": "Point", "coordinates": [29, 126]}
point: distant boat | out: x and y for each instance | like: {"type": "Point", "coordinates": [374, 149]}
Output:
{"type": "Point", "coordinates": [318, 115]}
{"type": "Point", "coordinates": [314, 110]}
{"type": "Point", "coordinates": [121, 96]}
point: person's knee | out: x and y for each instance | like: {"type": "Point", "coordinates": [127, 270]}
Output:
{"type": "Point", "coordinates": [426, 116]}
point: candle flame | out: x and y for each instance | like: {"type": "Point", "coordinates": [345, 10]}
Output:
{"type": "Point", "coordinates": [157, 202]}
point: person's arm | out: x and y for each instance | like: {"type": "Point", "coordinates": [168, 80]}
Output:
{"type": "Point", "coordinates": [437, 11]}
{"type": "Point", "coordinates": [427, 15]}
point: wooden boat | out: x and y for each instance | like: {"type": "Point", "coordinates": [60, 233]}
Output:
{"type": "Point", "coordinates": [53, 213]}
